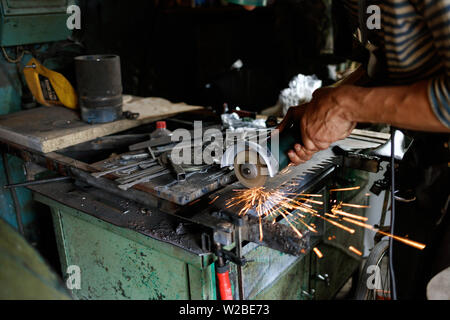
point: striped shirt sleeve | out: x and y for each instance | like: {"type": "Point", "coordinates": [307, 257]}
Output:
{"type": "Point", "coordinates": [437, 17]}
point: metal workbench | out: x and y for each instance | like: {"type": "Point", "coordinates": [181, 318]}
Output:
{"type": "Point", "coordinates": [135, 246]}
{"type": "Point", "coordinates": [154, 261]}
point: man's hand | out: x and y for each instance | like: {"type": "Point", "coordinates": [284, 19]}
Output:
{"type": "Point", "coordinates": [333, 113]}
{"type": "Point", "coordinates": [322, 122]}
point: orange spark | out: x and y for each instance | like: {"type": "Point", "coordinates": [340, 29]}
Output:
{"type": "Point", "coordinates": [194, 202]}
{"type": "Point", "coordinates": [303, 194]}
{"type": "Point", "coordinates": [354, 250]}
{"type": "Point", "coordinates": [290, 224]}
{"type": "Point", "coordinates": [345, 189]}
{"type": "Point", "coordinates": [260, 230]}
{"type": "Point", "coordinates": [307, 226]}
{"type": "Point", "coordinates": [343, 213]}
{"type": "Point", "coordinates": [349, 230]}
{"type": "Point", "coordinates": [318, 253]}
{"type": "Point", "coordinates": [411, 243]}
{"type": "Point", "coordinates": [269, 203]}
{"type": "Point", "coordinates": [312, 201]}
{"type": "Point", "coordinates": [214, 200]}
{"type": "Point", "coordinates": [354, 205]}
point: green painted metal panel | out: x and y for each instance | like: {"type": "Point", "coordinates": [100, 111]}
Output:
{"type": "Point", "coordinates": [112, 267]}
{"type": "Point", "coordinates": [33, 29]}
{"type": "Point", "coordinates": [118, 263]}
{"type": "Point", "coordinates": [25, 198]}
{"type": "Point", "coordinates": [7, 211]}
{"type": "Point", "coordinates": [20, 7]}
{"type": "Point", "coordinates": [168, 249]}
{"type": "Point", "coordinates": [10, 87]}
{"type": "Point", "coordinates": [202, 283]}
{"type": "Point", "coordinates": [27, 22]}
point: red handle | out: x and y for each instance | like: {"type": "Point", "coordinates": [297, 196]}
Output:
{"type": "Point", "coordinates": [225, 286]}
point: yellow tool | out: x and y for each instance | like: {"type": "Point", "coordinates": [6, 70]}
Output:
{"type": "Point", "coordinates": [50, 88]}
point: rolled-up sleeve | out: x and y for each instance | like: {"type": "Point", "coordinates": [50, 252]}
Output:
{"type": "Point", "coordinates": [437, 16]}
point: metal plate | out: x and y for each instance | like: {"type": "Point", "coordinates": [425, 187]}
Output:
{"type": "Point", "coordinates": [22, 7]}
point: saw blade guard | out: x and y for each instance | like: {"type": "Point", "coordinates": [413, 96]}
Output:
{"type": "Point", "coordinates": [274, 153]}
{"type": "Point", "coordinates": [251, 162]}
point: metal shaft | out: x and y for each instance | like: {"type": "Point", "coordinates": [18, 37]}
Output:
{"type": "Point", "coordinates": [127, 186]}
{"type": "Point", "coordinates": [36, 182]}
{"type": "Point", "coordinates": [132, 177]}
{"type": "Point", "coordinates": [240, 272]}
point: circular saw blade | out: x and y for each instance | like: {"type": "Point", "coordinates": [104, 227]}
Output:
{"type": "Point", "coordinates": [256, 180]}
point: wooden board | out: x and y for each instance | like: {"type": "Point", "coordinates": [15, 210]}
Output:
{"type": "Point", "coordinates": [48, 129]}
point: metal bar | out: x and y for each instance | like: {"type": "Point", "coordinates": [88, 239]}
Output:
{"type": "Point", "coordinates": [144, 179]}
{"type": "Point", "coordinates": [104, 173]}
{"type": "Point", "coordinates": [153, 169]}
{"type": "Point", "coordinates": [36, 182]}
{"type": "Point", "coordinates": [240, 272]}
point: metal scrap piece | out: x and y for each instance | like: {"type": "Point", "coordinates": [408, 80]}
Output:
{"type": "Point", "coordinates": [104, 173]}
{"type": "Point", "coordinates": [144, 179]}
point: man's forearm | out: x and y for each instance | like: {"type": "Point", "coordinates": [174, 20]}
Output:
{"type": "Point", "coordinates": [405, 107]}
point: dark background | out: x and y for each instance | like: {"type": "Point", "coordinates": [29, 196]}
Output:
{"type": "Point", "coordinates": [185, 54]}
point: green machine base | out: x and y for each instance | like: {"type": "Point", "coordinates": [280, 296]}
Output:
{"type": "Point", "coordinates": [120, 263]}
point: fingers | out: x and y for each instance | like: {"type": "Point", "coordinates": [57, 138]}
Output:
{"type": "Point", "coordinates": [294, 158]}
{"type": "Point", "coordinates": [300, 154]}
{"type": "Point", "coordinates": [303, 153]}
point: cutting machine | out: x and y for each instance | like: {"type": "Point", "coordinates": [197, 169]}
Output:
{"type": "Point", "coordinates": [255, 161]}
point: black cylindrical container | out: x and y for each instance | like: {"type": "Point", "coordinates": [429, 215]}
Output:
{"type": "Point", "coordinates": [99, 84]}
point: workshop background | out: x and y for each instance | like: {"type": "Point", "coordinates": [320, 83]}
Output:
{"type": "Point", "coordinates": [168, 49]}
{"type": "Point", "coordinates": [182, 51]}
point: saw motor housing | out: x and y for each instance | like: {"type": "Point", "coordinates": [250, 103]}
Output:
{"type": "Point", "coordinates": [254, 163]}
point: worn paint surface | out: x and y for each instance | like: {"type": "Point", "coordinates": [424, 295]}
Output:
{"type": "Point", "coordinates": [33, 22]}
{"type": "Point", "coordinates": [10, 87]}
{"type": "Point", "coordinates": [122, 264]}
{"type": "Point", "coordinates": [118, 263]}
{"type": "Point", "coordinates": [23, 194]}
